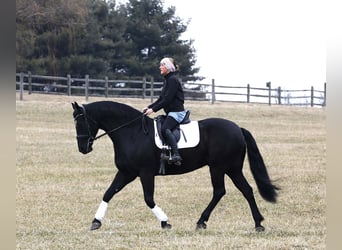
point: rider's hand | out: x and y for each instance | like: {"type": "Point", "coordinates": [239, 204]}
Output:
{"type": "Point", "coordinates": [148, 111]}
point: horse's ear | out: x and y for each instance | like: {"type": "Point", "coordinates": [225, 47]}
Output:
{"type": "Point", "coordinates": [75, 106]}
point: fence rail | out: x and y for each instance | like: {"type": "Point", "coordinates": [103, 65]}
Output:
{"type": "Point", "coordinates": [30, 83]}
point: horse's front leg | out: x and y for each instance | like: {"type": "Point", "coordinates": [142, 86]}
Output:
{"type": "Point", "coordinates": [147, 182]}
{"type": "Point", "coordinates": [120, 181]}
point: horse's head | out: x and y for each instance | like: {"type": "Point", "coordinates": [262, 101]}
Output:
{"type": "Point", "coordinates": [86, 129]}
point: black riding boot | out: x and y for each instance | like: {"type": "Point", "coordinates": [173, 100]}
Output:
{"type": "Point", "coordinates": [171, 141]}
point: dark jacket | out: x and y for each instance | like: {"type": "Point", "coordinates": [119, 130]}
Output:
{"type": "Point", "coordinates": [171, 98]}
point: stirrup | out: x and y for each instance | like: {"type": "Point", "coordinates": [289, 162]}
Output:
{"type": "Point", "coordinates": [175, 159]}
{"type": "Point", "coordinates": [165, 153]}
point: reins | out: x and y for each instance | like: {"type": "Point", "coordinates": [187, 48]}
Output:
{"type": "Point", "coordinates": [124, 125]}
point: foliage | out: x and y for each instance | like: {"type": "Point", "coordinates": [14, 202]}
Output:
{"type": "Point", "coordinates": [100, 38]}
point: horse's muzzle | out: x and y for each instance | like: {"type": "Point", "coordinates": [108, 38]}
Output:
{"type": "Point", "coordinates": [85, 147]}
{"type": "Point", "coordinates": [85, 150]}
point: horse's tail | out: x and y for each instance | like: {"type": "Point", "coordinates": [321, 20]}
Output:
{"type": "Point", "coordinates": [266, 189]}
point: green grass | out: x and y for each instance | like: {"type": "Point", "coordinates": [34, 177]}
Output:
{"type": "Point", "coordinates": [59, 189]}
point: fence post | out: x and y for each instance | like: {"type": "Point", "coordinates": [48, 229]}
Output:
{"type": "Point", "coordinates": [21, 85]}
{"type": "Point", "coordinates": [312, 96]}
{"type": "Point", "coordinates": [144, 88]}
{"type": "Point", "coordinates": [69, 84]}
{"type": "Point", "coordinates": [106, 86]}
{"type": "Point", "coordinates": [279, 95]}
{"type": "Point", "coordinates": [213, 91]}
{"type": "Point", "coordinates": [29, 83]}
{"type": "Point", "coordinates": [268, 84]}
{"type": "Point", "coordinates": [248, 92]}
{"type": "Point", "coordinates": [325, 95]}
{"type": "Point", "coordinates": [86, 86]}
{"type": "Point", "coordinates": [152, 88]}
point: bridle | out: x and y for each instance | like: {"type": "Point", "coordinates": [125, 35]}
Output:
{"type": "Point", "coordinates": [92, 138]}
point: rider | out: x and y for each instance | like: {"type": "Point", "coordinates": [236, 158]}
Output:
{"type": "Point", "coordinates": [171, 100]}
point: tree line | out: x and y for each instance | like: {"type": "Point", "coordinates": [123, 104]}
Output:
{"type": "Point", "coordinates": [101, 38]}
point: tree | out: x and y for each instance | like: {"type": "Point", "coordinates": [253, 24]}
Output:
{"type": "Point", "coordinates": [154, 33]}
{"type": "Point", "coordinates": [100, 38]}
{"type": "Point", "coordinates": [50, 27]}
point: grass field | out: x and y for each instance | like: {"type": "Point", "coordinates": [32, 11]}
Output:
{"type": "Point", "coordinates": [58, 189]}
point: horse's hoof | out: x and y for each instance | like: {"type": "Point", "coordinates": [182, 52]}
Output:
{"type": "Point", "coordinates": [259, 229]}
{"type": "Point", "coordinates": [96, 224]}
{"type": "Point", "coordinates": [201, 226]}
{"type": "Point", "coordinates": [165, 225]}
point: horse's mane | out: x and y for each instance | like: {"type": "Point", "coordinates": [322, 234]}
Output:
{"type": "Point", "coordinates": [111, 107]}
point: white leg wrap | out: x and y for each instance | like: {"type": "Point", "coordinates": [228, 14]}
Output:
{"type": "Point", "coordinates": [159, 213]}
{"type": "Point", "coordinates": [101, 211]}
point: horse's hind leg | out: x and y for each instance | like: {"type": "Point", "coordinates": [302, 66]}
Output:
{"type": "Point", "coordinates": [119, 182]}
{"type": "Point", "coordinates": [241, 183]}
{"type": "Point", "coordinates": [217, 180]}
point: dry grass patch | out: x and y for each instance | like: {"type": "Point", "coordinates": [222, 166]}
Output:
{"type": "Point", "coordinates": [58, 189]}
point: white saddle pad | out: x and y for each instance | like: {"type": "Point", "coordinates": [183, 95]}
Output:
{"type": "Point", "coordinates": [190, 130]}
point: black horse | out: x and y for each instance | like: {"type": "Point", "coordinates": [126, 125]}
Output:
{"type": "Point", "coordinates": [222, 147]}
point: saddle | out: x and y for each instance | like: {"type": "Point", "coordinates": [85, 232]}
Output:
{"type": "Point", "coordinates": [186, 133]}
{"type": "Point", "coordinates": [176, 131]}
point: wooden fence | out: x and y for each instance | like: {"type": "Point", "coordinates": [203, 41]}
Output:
{"type": "Point", "coordinates": [29, 83]}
